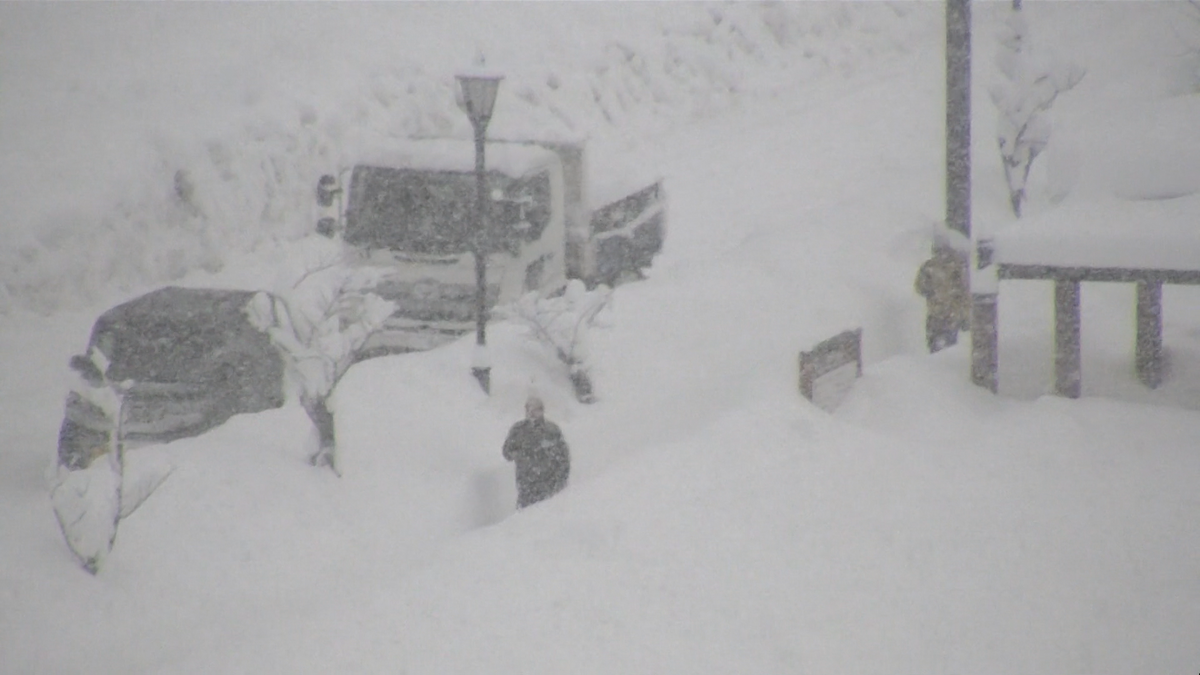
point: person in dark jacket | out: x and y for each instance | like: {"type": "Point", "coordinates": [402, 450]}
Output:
{"type": "Point", "coordinates": [942, 281]}
{"type": "Point", "coordinates": [541, 454]}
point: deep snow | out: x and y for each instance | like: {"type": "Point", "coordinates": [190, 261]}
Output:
{"type": "Point", "coordinates": [716, 522]}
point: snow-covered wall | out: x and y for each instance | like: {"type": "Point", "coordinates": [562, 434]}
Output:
{"type": "Point", "coordinates": [140, 143]}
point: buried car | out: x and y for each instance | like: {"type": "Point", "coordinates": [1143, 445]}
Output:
{"type": "Point", "coordinates": [182, 361]}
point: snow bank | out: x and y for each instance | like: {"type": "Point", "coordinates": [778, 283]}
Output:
{"type": "Point", "coordinates": [1109, 232]}
{"type": "Point", "coordinates": [1145, 150]}
{"type": "Point", "coordinates": [1136, 202]}
{"type": "Point", "coordinates": [142, 142]}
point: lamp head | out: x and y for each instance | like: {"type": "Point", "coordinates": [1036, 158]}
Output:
{"type": "Point", "coordinates": [479, 89]}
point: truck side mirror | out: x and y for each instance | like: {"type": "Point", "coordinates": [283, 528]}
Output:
{"type": "Point", "coordinates": [87, 369]}
{"type": "Point", "coordinates": [327, 189]}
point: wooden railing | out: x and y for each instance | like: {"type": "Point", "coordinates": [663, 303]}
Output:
{"type": "Point", "coordinates": [1068, 376]}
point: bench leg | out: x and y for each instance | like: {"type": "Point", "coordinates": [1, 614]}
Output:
{"type": "Point", "coordinates": [1067, 363]}
{"type": "Point", "coordinates": [1148, 355]}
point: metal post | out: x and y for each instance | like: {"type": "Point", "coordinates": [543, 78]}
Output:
{"type": "Point", "coordinates": [958, 116]}
{"type": "Point", "coordinates": [1149, 333]}
{"type": "Point", "coordinates": [482, 372]}
{"type": "Point", "coordinates": [984, 341]}
{"type": "Point", "coordinates": [958, 186]}
{"type": "Point", "coordinates": [478, 97]}
{"type": "Point", "coordinates": [1068, 368]}
{"type": "Point", "coordinates": [985, 312]}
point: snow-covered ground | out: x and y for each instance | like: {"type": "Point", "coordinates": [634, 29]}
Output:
{"type": "Point", "coordinates": [716, 521]}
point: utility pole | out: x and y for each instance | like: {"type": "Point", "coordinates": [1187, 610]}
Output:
{"type": "Point", "coordinates": [958, 116]}
{"type": "Point", "coordinates": [981, 278]}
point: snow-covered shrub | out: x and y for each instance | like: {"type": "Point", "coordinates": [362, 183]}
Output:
{"type": "Point", "coordinates": [560, 324]}
{"type": "Point", "coordinates": [1031, 79]}
{"type": "Point", "coordinates": [319, 322]}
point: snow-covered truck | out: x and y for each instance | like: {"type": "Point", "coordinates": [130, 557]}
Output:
{"type": "Point", "coordinates": [409, 209]}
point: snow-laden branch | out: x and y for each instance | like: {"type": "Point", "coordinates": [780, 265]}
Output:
{"type": "Point", "coordinates": [319, 321]}
{"type": "Point", "coordinates": [1031, 80]}
{"type": "Point", "coordinates": [561, 323]}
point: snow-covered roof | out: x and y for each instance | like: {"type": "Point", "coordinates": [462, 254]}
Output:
{"type": "Point", "coordinates": [605, 188]}
{"type": "Point", "coordinates": [450, 154]}
{"type": "Point", "coordinates": [611, 176]}
{"type": "Point", "coordinates": [1144, 234]}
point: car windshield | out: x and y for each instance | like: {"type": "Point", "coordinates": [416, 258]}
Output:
{"type": "Point", "coordinates": [432, 212]}
{"type": "Point", "coordinates": [173, 334]}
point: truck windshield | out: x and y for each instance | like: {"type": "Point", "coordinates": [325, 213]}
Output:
{"type": "Point", "coordinates": [433, 212]}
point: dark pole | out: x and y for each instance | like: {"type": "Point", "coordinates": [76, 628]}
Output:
{"type": "Point", "coordinates": [982, 282]}
{"type": "Point", "coordinates": [1067, 363]}
{"type": "Point", "coordinates": [1149, 346]}
{"type": "Point", "coordinates": [482, 372]}
{"type": "Point", "coordinates": [958, 116]}
{"type": "Point", "coordinates": [478, 97]}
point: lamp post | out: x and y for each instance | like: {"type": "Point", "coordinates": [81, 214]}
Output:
{"type": "Point", "coordinates": [479, 96]}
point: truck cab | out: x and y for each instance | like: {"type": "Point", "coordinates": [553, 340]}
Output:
{"type": "Point", "coordinates": [410, 210]}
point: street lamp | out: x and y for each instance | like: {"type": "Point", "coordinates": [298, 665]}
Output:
{"type": "Point", "coordinates": [479, 96]}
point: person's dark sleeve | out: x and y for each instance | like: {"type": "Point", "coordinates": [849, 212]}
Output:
{"type": "Point", "coordinates": [560, 445]}
{"type": "Point", "coordinates": [922, 283]}
{"type": "Point", "coordinates": [564, 455]}
{"type": "Point", "coordinates": [510, 443]}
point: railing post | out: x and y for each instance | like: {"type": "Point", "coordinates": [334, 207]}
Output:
{"type": "Point", "coordinates": [984, 347]}
{"type": "Point", "coordinates": [1067, 363]}
{"type": "Point", "coordinates": [1148, 350]}
{"type": "Point", "coordinates": [985, 296]}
